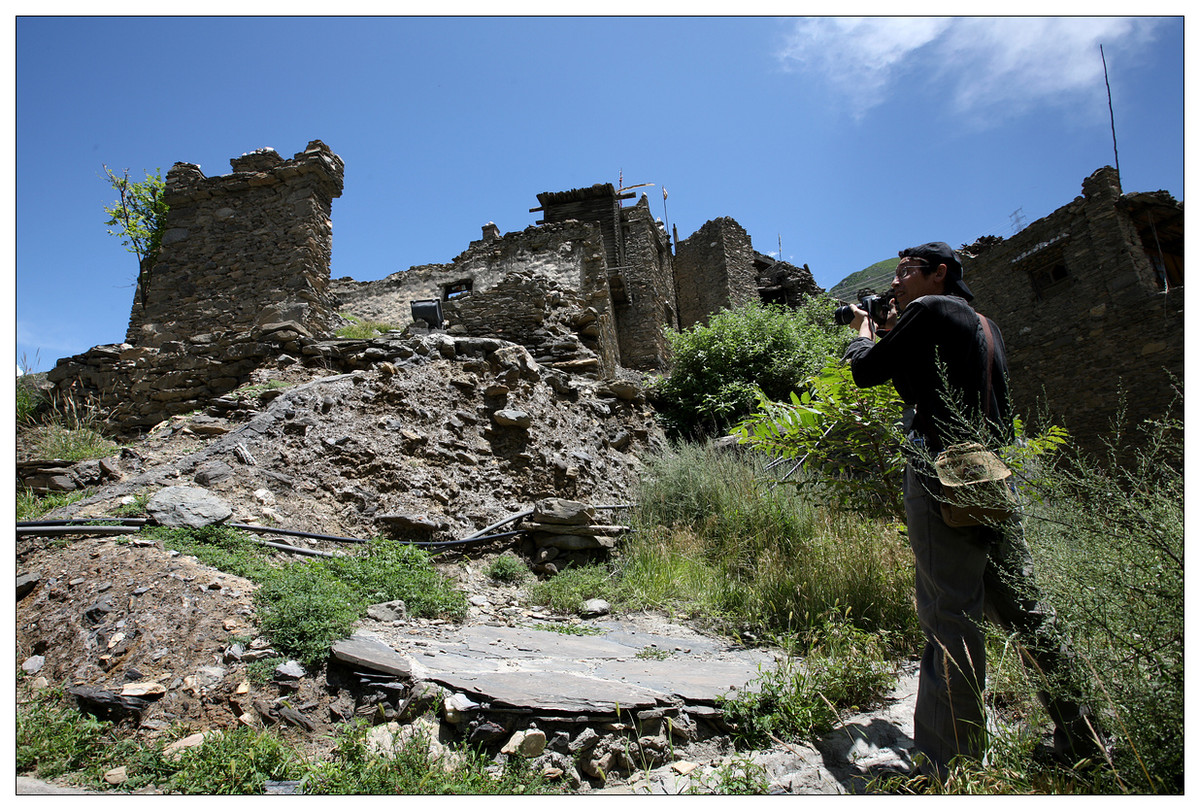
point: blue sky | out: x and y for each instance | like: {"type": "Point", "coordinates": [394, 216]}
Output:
{"type": "Point", "coordinates": [842, 140]}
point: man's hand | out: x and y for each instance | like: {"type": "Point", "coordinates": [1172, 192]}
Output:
{"type": "Point", "coordinates": [861, 322]}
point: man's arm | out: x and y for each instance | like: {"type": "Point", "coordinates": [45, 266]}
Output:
{"type": "Point", "coordinates": [872, 363]}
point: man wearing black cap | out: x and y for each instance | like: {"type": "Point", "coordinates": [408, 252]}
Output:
{"type": "Point", "coordinates": [938, 355]}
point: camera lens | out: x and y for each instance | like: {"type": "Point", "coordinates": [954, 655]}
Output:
{"type": "Point", "coordinates": [843, 314]}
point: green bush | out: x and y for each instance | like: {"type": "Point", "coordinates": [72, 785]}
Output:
{"type": "Point", "coordinates": [507, 568]}
{"type": "Point", "coordinates": [718, 369]}
{"type": "Point", "coordinates": [303, 610]}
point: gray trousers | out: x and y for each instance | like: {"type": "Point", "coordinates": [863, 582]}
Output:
{"type": "Point", "coordinates": [963, 574]}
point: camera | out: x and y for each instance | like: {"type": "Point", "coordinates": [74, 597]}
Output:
{"type": "Point", "coordinates": [877, 307]}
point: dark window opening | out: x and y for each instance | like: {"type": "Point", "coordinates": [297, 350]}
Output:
{"type": "Point", "coordinates": [456, 290]}
{"type": "Point", "coordinates": [1049, 278]}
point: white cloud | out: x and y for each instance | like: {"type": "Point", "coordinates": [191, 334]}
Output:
{"type": "Point", "coordinates": [982, 67]}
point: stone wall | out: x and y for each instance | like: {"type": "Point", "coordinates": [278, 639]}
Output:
{"type": "Point", "coordinates": [1082, 308]}
{"type": "Point", "coordinates": [244, 249]}
{"type": "Point", "coordinates": [714, 269]}
{"type": "Point", "coordinates": [508, 286]}
{"type": "Point", "coordinates": [555, 323]}
{"type": "Point", "coordinates": [647, 301]}
{"type": "Point", "coordinates": [133, 388]}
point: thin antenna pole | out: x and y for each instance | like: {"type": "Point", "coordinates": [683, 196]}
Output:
{"type": "Point", "coordinates": [1112, 121]}
{"type": "Point", "coordinates": [666, 218]}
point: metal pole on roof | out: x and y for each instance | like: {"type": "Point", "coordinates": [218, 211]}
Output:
{"type": "Point", "coordinates": [1111, 120]}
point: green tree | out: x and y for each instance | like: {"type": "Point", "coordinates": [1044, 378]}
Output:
{"type": "Point", "coordinates": [719, 368]}
{"type": "Point", "coordinates": [138, 217]}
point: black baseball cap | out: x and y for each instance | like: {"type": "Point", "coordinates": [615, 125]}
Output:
{"type": "Point", "coordinates": [939, 253]}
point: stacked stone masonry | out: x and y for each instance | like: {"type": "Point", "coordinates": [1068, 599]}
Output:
{"type": "Point", "coordinates": [242, 249]}
{"type": "Point", "coordinates": [1090, 316]}
{"type": "Point", "coordinates": [1089, 298]}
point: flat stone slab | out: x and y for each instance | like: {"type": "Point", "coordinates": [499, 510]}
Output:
{"type": "Point", "coordinates": [623, 664]}
{"type": "Point", "coordinates": [372, 654]}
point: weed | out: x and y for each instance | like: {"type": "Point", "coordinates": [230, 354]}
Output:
{"type": "Point", "coordinates": [567, 591]}
{"type": "Point", "coordinates": [218, 546]}
{"type": "Point", "coordinates": [253, 390]}
{"type": "Point", "coordinates": [71, 444]}
{"type": "Point", "coordinates": [136, 508]}
{"type": "Point", "coordinates": [843, 668]}
{"type": "Point", "coordinates": [410, 768]}
{"type": "Point", "coordinates": [569, 630]}
{"type": "Point", "coordinates": [716, 539]}
{"type": "Point", "coordinates": [236, 761]}
{"type": "Point", "coordinates": [507, 568]}
{"type": "Point", "coordinates": [53, 739]}
{"type": "Point", "coordinates": [303, 606]}
{"type": "Point", "coordinates": [360, 329]}
{"type": "Point", "coordinates": [31, 505]}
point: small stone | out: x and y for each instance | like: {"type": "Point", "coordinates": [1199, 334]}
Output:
{"type": "Point", "coordinates": [175, 750]}
{"type": "Point", "coordinates": [117, 776]}
{"type": "Point", "coordinates": [511, 417]}
{"type": "Point", "coordinates": [144, 689]}
{"type": "Point", "coordinates": [596, 608]}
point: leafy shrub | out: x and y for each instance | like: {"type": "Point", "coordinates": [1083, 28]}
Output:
{"type": "Point", "coordinates": [847, 437]}
{"type": "Point", "coordinates": [303, 609]}
{"type": "Point", "coordinates": [718, 369]}
{"type": "Point", "coordinates": [507, 568]}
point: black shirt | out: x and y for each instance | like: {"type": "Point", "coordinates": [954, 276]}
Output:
{"type": "Point", "coordinates": [935, 333]}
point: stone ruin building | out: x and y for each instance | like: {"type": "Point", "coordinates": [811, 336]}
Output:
{"type": "Point", "coordinates": [243, 276]}
{"type": "Point", "coordinates": [1089, 297]}
{"type": "Point", "coordinates": [1090, 300]}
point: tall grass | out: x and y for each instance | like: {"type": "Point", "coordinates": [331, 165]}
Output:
{"type": "Point", "coordinates": [716, 537]}
{"type": "Point", "coordinates": [1107, 538]}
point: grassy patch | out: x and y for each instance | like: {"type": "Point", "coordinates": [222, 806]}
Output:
{"type": "Point", "coordinates": [360, 329]}
{"type": "Point", "coordinates": [31, 506]}
{"type": "Point", "coordinates": [507, 568]}
{"type": "Point", "coordinates": [74, 444]}
{"type": "Point", "coordinates": [843, 668]}
{"type": "Point", "coordinates": [570, 630]}
{"type": "Point", "coordinates": [715, 538]}
{"type": "Point", "coordinates": [304, 606]}
{"type": "Point", "coordinates": [567, 591]}
{"type": "Point", "coordinates": [410, 769]}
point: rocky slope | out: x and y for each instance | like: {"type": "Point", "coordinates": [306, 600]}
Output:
{"type": "Point", "coordinates": [442, 439]}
